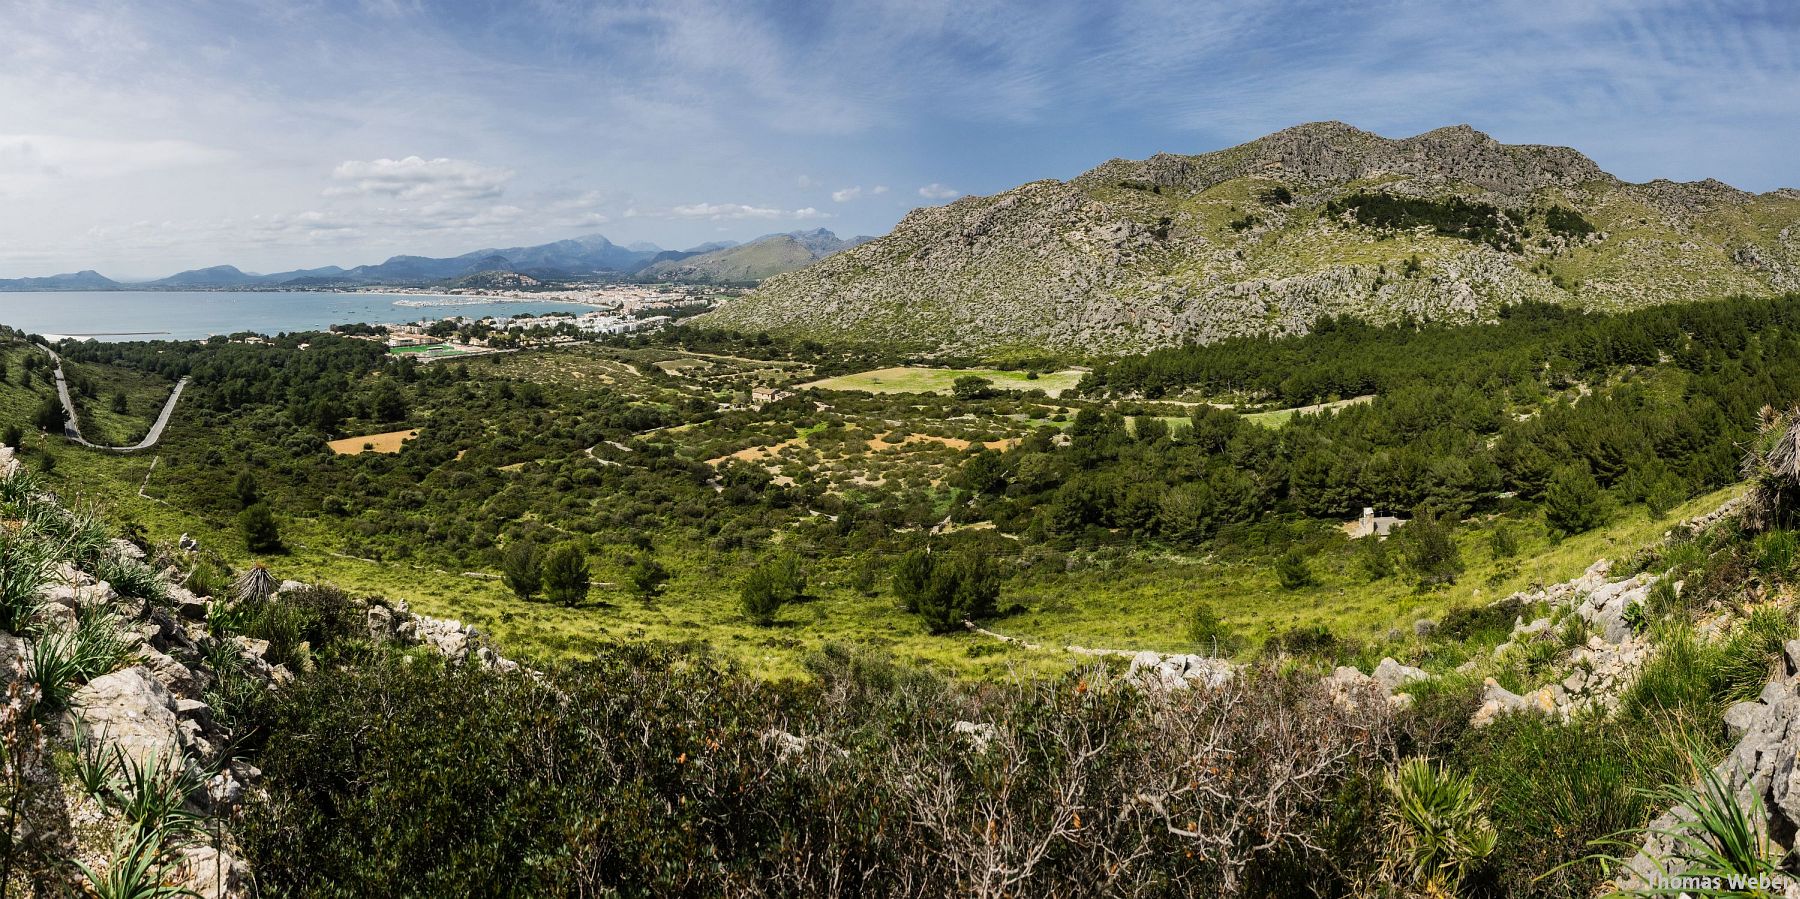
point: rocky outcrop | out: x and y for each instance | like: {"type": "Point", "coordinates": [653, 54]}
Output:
{"type": "Point", "coordinates": [1178, 672]}
{"type": "Point", "coordinates": [133, 712]}
{"type": "Point", "coordinates": [1599, 670]}
{"type": "Point", "coordinates": [1760, 772]}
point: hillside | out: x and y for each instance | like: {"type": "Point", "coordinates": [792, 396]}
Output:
{"type": "Point", "coordinates": [761, 258]}
{"type": "Point", "coordinates": [1268, 236]}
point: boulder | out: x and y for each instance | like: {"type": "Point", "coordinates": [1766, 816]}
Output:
{"type": "Point", "coordinates": [178, 678]}
{"type": "Point", "coordinates": [132, 710]}
{"type": "Point", "coordinates": [786, 745]}
{"type": "Point", "coordinates": [381, 624]}
{"type": "Point", "coordinates": [188, 605]}
{"type": "Point", "coordinates": [212, 873]}
{"type": "Point", "coordinates": [15, 653]}
{"type": "Point", "coordinates": [125, 549]}
{"type": "Point", "coordinates": [1496, 701]}
{"type": "Point", "coordinates": [1741, 717]}
{"type": "Point", "coordinates": [1392, 675]}
{"type": "Point", "coordinates": [1522, 631]}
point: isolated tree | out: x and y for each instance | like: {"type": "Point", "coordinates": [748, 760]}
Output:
{"type": "Point", "coordinates": [971, 387]}
{"type": "Point", "coordinates": [247, 491]}
{"type": "Point", "coordinates": [121, 404]}
{"type": "Point", "coordinates": [257, 525]}
{"type": "Point", "coordinates": [647, 577]}
{"type": "Point", "coordinates": [947, 588]}
{"type": "Point", "coordinates": [1573, 500]}
{"type": "Point", "coordinates": [770, 586]}
{"type": "Point", "coordinates": [13, 436]}
{"type": "Point", "coordinates": [566, 579]}
{"type": "Point", "coordinates": [522, 570]}
{"type": "Point", "coordinates": [1293, 571]}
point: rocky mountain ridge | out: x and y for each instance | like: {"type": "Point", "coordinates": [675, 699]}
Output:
{"type": "Point", "coordinates": [1266, 237]}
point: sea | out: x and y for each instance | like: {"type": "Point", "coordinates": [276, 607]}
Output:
{"type": "Point", "coordinates": [196, 315]}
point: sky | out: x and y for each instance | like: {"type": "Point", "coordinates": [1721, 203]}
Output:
{"type": "Point", "coordinates": [144, 138]}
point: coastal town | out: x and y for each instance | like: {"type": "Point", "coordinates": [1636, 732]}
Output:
{"type": "Point", "coordinates": [597, 309]}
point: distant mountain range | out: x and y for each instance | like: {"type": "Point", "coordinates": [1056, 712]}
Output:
{"type": "Point", "coordinates": [582, 257]}
{"type": "Point", "coordinates": [1268, 236]}
{"type": "Point", "coordinates": [761, 258]}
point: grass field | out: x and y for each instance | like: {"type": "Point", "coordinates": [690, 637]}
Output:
{"type": "Point", "coordinates": [1137, 598]}
{"type": "Point", "coordinates": [390, 442]}
{"type": "Point", "coordinates": [145, 395]}
{"type": "Point", "coordinates": [1275, 418]}
{"type": "Point", "coordinates": [913, 379]}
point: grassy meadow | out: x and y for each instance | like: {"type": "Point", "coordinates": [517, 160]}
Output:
{"type": "Point", "coordinates": [916, 379]}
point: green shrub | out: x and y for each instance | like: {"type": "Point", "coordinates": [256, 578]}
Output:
{"type": "Point", "coordinates": [25, 568]}
{"type": "Point", "coordinates": [256, 524]}
{"type": "Point", "coordinates": [1555, 789]}
{"type": "Point", "coordinates": [1306, 640]}
{"type": "Point", "coordinates": [1437, 827]}
{"type": "Point", "coordinates": [1775, 552]}
{"type": "Point", "coordinates": [1503, 542]}
{"type": "Point", "coordinates": [131, 578]}
{"type": "Point", "coordinates": [55, 669]}
{"type": "Point", "coordinates": [1429, 549]}
{"type": "Point", "coordinates": [523, 570]}
{"type": "Point", "coordinates": [947, 588]}
{"type": "Point", "coordinates": [1293, 572]}
{"type": "Point", "coordinates": [771, 585]}
{"type": "Point", "coordinates": [1209, 631]}
{"type": "Point", "coordinates": [1487, 623]}
{"type": "Point", "coordinates": [1375, 558]}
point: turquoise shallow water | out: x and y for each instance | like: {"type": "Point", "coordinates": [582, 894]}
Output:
{"type": "Point", "coordinates": [186, 315]}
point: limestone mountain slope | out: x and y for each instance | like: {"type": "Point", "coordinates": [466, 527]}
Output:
{"type": "Point", "coordinates": [1267, 236]}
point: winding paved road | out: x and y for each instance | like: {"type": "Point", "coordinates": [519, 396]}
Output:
{"type": "Point", "coordinates": [72, 428]}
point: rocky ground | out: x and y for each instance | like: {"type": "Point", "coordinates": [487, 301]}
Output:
{"type": "Point", "coordinates": [145, 723]}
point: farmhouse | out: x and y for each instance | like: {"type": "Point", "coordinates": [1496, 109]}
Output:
{"type": "Point", "coordinates": [762, 395]}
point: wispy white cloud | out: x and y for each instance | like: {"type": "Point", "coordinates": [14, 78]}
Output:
{"type": "Point", "coordinates": [33, 159]}
{"type": "Point", "coordinates": [936, 191]}
{"type": "Point", "coordinates": [846, 194]}
{"type": "Point", "coordinates": [729, 211]}
{"type": "Point", "coordinates": [417, 178]}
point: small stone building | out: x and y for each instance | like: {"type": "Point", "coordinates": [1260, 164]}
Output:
{"type": "Point", "coordinates": [1370, 523]}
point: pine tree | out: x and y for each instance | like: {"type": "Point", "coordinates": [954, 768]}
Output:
{"type": "Point", "coordinates": [566, 578]}
{"type": "Point", "coordinates": [523, 570]}
{"type": "Point", "coordinates": [1573, 501]}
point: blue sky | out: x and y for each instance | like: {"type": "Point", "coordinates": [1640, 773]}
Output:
{"type": "Point", "coordinates": [143, 138]}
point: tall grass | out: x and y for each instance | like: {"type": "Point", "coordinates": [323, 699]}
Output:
{"type": "Point", "coordinates": [1719, 838]}
{"type": "Point", "coordinates": [25, 568]}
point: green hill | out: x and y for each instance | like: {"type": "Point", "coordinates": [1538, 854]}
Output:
{"type": "Point", "coordinates": [761, 258]}
{"type": "Point", "coordinates": [1268, 236]}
